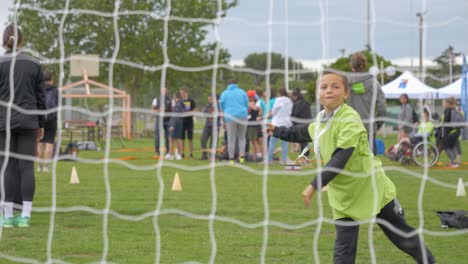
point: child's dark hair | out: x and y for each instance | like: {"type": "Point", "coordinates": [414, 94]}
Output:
{"type": "Point", "coordinates": [177, 95]}
{"type": "Point", "coordinates": [259, 92]}
{"type": "Point", "coordinates": [9, 37]}
{"type": "Point", "coordinates": [344, 79]}
{"type": "Point", "coordinates": [47, 76]}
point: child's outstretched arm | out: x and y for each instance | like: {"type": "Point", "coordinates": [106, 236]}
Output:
{"type": "Point", "coordinates": [336, 164]}
{"type": "Point", "coordinates": [298, 133]}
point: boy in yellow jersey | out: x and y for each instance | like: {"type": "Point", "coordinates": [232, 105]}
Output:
{"type": "Point", "coordinates": [340, 139]}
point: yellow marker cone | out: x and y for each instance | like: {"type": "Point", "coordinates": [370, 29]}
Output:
{"type": "Point", "coordinates": [74, 176]}
{"type": "Point", "coordinates": [460, 188]}
{"type": "Point", "coordinates": [176, 185]}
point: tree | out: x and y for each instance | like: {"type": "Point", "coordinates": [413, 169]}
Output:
{"type": "Point", "coordinates": [444, 61]}
{"type": "Point", "coordinates": [258, 61]}
{"type": "Point", "coordinates": [344, 64]}
{"type": "Point", "coordinates": [141, 38]}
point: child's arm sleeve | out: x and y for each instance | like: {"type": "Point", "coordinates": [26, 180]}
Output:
{"type": "Point", "coordinates": [336, 164]}
{"type": "Point", "coordinates": [298, 133]}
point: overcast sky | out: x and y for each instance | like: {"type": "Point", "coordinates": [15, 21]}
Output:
{"type": "Point", "coordinates": [313, 30]}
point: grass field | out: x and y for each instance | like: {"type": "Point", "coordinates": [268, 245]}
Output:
{"type": "Point", "coordinates": [78, 234]}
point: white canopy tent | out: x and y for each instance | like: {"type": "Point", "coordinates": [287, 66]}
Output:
{"type": "Point", "coordinates": [410, 85]}
{"type": "Point", "coordinates": [453, 89]}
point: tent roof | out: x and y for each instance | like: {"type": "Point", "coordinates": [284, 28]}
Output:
{"type": "Point", "coordinates": [408, 84]}
{"type": "Point", "coordinates": [453, 89]}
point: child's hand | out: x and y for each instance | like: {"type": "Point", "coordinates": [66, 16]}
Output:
{"type": "Point", "coordinates": [270, 128]}
{"type": "Point", "coordinates": [171, 129]}
{"type": "Point", "coordinates": [307, 194]}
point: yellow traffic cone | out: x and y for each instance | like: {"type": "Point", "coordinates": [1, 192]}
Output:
{"type": "Point", "coordinates": [176, 185]}
{"type": "Point", "coordinates": [460, 188]}
{"type": "Point", "coordinates": [74, 176]}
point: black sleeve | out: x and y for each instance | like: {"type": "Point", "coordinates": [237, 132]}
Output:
{"type": "Point", "coordinates": [297, 133]}
{"type": "Point", "coordinates": [337, 163]}
{"type": "Point", "coordinates": [40, 96]}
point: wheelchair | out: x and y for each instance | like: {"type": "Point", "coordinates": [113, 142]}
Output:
{"type": "Point", "coordinates": [420, 152]}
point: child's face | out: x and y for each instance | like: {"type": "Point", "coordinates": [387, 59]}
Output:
{"type": "Point", "coordinates": [332, 92]}
{"type": "Point", "coordinates": [210, 99]}
{"type": "Point", "coordinates": [424, 117]}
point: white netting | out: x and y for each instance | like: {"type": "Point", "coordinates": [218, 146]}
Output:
{"type": "Point", "coordinates": [212, 217]}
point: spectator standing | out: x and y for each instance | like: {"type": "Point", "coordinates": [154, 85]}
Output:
{"type": "Point", "coordinates": [187, 126]}
{"type": "Point", "coordinates": [363, 88]}
{"type": "Point", "coordinates": [25, 130]}
{"type": "Point", "coordinates": [450, 131]}
{"type": "Point", "coordinates": [207, 133]}
{"type": "Point", "coordinates": [405, 119]}
{"type": "Point", "coordinates": [252, 129]}
{"type": "Point", "coordinates": [234, 104]}
{"type": "Point", "coordinates": [176, 128]}
{"type": "Point", "coordinates": [261, 103]}
{"type": "Point", "coordinates": [281, 116]}
{"type": "Point", "coordinates": [45, 147]}
{"type": "Point", "coordinates": [300, 112]}
{"type": "Point", "coordinates": [165, 107]}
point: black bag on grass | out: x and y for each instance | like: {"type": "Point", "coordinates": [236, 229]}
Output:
{"type": "Point", "coordinates": [455, 219]}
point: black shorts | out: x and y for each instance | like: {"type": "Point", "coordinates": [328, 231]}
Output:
{"type": "Point", "coordinates": [177, 133]}
{"type": "Point", "coordinates": [187, 130]}
{"type": "Point", "coordinates": [50, 130]}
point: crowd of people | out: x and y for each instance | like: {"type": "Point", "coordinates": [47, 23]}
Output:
{"type": "Point", "coordinates": [241, 115]}
{"type": "Point", "coordinates": [444, 131]}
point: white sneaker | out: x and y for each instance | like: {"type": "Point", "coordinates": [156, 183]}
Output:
{"type": "Point", "coordinates": [45, 169]}
{"type": "Point", "coordinates": [169, 157]}
{"type": "Point", "coordinates": [38, 169]}
{"type": "Point", "coordinates": [178, 156]}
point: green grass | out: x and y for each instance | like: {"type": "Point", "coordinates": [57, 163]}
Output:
{"type": "Point", "coordinates": [78, 235]}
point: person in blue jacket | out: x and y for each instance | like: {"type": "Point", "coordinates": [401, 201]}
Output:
{"type": "Point", "coordinates": [234, 104]}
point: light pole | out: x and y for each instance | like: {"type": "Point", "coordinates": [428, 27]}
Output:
{"type": "Point", "coordinates": [421, 22]}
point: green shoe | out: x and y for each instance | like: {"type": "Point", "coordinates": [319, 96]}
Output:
{"type": "Point", "coordinates": [9, 222]}
{"type": "Point", "coordinates": [242, 160]}
{"type": "Point", "coordinates": [23, 221]}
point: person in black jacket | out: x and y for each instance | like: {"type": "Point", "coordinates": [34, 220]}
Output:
{"type": "Point", "coordinates": [301, 112]}
{"type": "Point", "coordinates": [45, 147]}
{"type": "Point", "coordinates": [21, 95]}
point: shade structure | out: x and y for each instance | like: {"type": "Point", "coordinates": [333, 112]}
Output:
{"type": "Point", "coordinates": [408, 84]}
{"type": "Point", "coordinates": [453, 89]}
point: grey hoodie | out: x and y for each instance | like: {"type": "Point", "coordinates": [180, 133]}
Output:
{"type": "Point", "coordinates": [361, 94]}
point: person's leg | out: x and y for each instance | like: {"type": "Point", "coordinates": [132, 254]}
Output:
{"type": "Point", "coordinates": [271, 148]}
{"type": "Point", "coordinates": [40, 155]}
{"type": "Point", "coordinates": [204, 140]}
{"type": "Point", "coordinates": [410, 245]}
{"type": "Point", "coordinates": [451, 153]}
{"type": "Point", "coordinates": [231, 129]}
{"type": "Point", "coordinates": [241, 134]}
{"type": "Point", "coordinates": [190, 138]}
{"type": "Point", "coordinates": [156, 137]}
{"type": "Point", "coordinates": [49, 149]}
{"type": "Point", "coordinates": [284, 150]}
{"type": "Point", "coordinates": [26, 146]}
{"type": "Point", "coordinates": [184, 136]}
{"type": "Point", "coordinates": [346, 242]}
{"type": "Point", "coordinates": [10, 177]}
{"type": "Point", "coordinates": [167, 136]}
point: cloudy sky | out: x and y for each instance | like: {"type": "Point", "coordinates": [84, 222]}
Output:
{"type": "Point", "coordinates": [314, 30]}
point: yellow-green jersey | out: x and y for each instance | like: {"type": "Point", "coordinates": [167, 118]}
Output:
{"type": "Point", "coordinates": [361, 189]}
